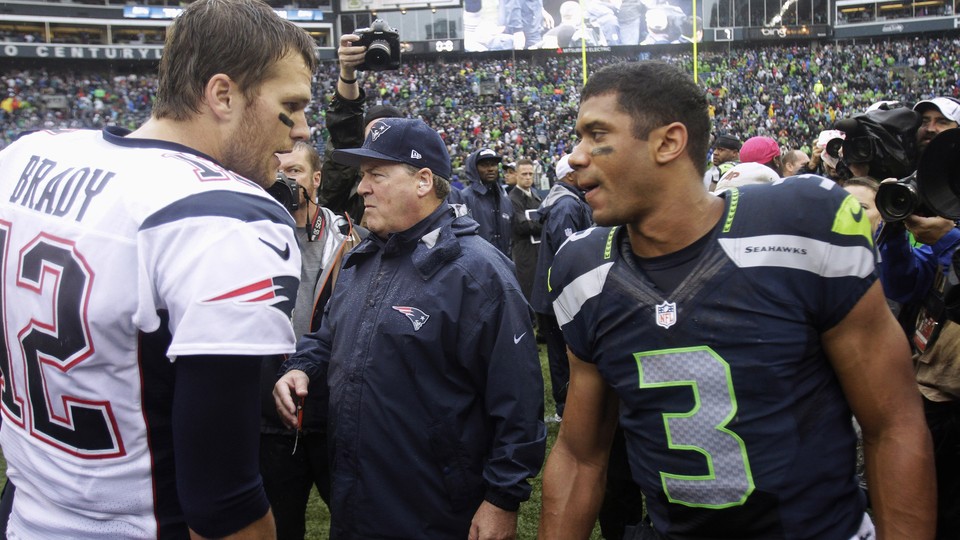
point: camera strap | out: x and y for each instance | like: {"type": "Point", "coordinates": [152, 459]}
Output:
{"type": "Point", "coordinates": [315, 229]}
{"type": "Point", "coordinates": [931, 315]}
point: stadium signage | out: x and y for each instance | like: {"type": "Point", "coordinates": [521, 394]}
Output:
{"type": "Point", "coordinates": [788, 32]}
{"type": "Point", "coordinates": [155, 12]}
{"type": "Point", "coordinates": [940, 24]}
{"type": "Point", "coordinates": [82, 52]}
{"type": "Point", "coordinates": [577, 49]}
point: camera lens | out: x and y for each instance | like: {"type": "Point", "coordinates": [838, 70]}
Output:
{"type": "Point", "coordinates": [897, 201]}
{"type": "Point", "coordinates": [858, 150]}
{"type": "Point", "coordinates": [833, 147]}
{"type": "Point", "coordinates": [378, 54]}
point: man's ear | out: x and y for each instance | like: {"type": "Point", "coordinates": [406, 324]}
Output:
{"type": "Point", "coordinates": [668, 142]}
{"type": "Point", "coordinates": [424, 182]}
{"type": "Point", "coordinates": [317, 178]}
{"type": "Point", "coordinates": [222, 96]}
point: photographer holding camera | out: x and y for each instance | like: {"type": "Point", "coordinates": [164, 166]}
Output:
{"type": "Point", "coordinates": [918, 277]}
{"type": "Point", "coordinates": [375, 48]}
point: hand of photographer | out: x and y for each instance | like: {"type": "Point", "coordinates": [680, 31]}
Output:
{"type": "Point", "coordinates": [814, 162]}
{"type": "Point", "coordinates": [928, 230]}
{"type": "Point", "coordinates": [350, 57]}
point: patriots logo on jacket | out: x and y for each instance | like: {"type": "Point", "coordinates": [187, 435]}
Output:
{"type": "Point", "coordinates": [278, 292]}
{"type": "Point", "coordinates": [417, 317]}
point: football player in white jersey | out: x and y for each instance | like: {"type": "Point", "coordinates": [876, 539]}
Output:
{"type": "Point", "coordinates": [144, 276]}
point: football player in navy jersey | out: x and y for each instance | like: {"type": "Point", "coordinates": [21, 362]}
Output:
{"type": "Point", "coordinates": [143, 278]}
{"type": "Point", "coordinates": [730, 337]}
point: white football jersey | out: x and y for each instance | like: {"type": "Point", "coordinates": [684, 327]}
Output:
{"type": "Point", "coordinates": [118, 256]}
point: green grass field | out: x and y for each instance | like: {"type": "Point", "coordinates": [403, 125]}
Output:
{"type": "Point", "coordinates": [318, 518]}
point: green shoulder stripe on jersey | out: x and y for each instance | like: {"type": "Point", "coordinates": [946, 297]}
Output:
{"type": "Point", "coordinates": [608, 250]}
{"type": "Point", "coordinates": [734, 199]}
{"type": "Point", "coordinates": [851, 220]}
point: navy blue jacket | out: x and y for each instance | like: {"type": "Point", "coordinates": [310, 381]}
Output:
{"type": "Point", "coordinates": [562, 212]}
{"type": "Point", "coordinates": [436, 395]}
{"type": "Point", "coordinates": [488, 205]}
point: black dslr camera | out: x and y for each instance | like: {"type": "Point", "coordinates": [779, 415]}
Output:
{"type": "Point", "coordinates": [383, 46]}
{"type": "Point", "coordinates": [286, 191]}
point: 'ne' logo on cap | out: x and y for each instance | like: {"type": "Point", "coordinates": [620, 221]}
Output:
{"type": "Point", "coordinates": [415, 155]}
{"type": "Point", "coordinates": [379, 130]}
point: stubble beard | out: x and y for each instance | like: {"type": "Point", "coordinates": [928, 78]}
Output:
{"type": "Point", "coordinates": [243, 155]}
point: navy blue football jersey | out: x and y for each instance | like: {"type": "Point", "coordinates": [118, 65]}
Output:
{"type": "Point", "coordinates": [736, 423]}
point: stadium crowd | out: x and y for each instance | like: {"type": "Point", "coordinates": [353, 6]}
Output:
{"type": "Point", "coordinates": [527, 108]}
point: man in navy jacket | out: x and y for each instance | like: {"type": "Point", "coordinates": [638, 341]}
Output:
{"type": "Point", "coordinates": [428, 350]}
{"type": "Point", "coordinates": [563, 212]}
{"type": "Point", "coordinates": [485, 199]}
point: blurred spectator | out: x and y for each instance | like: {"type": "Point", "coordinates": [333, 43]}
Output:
{"type": "Point", "coordinates": [563, 212]}
{"type": "Point", "coordinates": [795, 162]}
{"type": "Point", "coordinates": [726, 154]}
{"type": "Point", "coordinates": [762, 150]}
{"type": "Point", "coordinates": [526, 227]}
{"type": "Point", "coordinates": [485, 198]}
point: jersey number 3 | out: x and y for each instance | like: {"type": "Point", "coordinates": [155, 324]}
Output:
{"type": "Point", "coordinates": [52, 344]}
{"type": "Point", "coordinates": [703, 429]}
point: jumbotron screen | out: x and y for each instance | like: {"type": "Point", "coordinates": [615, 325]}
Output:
{"type": "Point", "coordinates": [549, 24]}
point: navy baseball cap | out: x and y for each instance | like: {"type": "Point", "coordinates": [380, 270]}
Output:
{"type": "Point", "coordinates": [728, 141]}
{"type": "Point", "coordinates": [488, 154]}
{"type": "Point", "coordinates": [401, 140]}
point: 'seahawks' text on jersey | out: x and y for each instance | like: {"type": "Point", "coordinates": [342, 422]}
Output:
{"type": "Point", "coordinates": [118, 255]}
{"type": "Point", "coordinates": [736, 424]}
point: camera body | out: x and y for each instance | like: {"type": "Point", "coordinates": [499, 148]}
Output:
{"type": "Point", "coordinates": [286, 191]}
{"type": "Point", "coordinates": [883, 139]}
{"type": "Point", "coordinates": [383, 46]}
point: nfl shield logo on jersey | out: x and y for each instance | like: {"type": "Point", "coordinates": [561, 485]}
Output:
{"type": "Point", "coordinates": [666, 314]}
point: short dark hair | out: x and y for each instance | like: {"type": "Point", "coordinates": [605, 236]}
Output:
{"type": "Point", "coordinates": [655, 94]}
{"type": "Point", "coordinates": [239, 38]}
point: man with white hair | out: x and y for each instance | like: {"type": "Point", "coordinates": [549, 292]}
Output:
{"type": "Point", "coordinates": [563, 212]}
{"type": "Point", "coordinates": [433, 418]}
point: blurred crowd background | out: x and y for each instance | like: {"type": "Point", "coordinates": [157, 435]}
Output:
{"type": "Point", "coordinates": [527, 107]}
